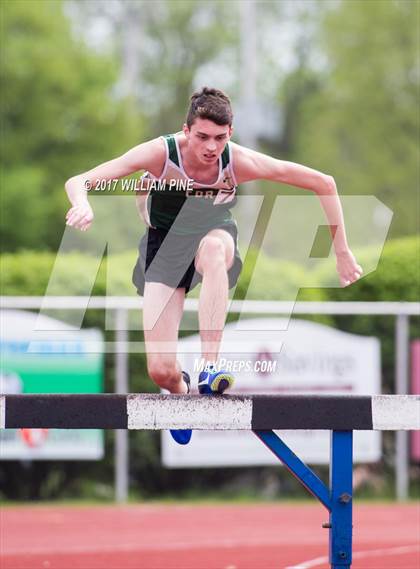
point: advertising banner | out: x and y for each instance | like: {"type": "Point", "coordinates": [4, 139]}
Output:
{"type": "Point", "coordinates": [54, 360]}
{"type": "Point", "coordinates": [314, 359]}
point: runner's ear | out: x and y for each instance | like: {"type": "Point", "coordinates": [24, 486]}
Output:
{"type": "Point", "coordinates": [185, 129]}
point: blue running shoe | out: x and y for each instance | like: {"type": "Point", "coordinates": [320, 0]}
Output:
{"type": "Point", "coordinates": [183, 436]}
{"type": "Point", "coordinates": [211, 381]}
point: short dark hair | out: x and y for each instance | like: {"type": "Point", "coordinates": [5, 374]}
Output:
{"type": "Point", "coordinates": [211, 104]}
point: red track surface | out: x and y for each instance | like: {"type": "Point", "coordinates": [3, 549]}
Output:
{"type": "Point", "coordinates": [202, 537]}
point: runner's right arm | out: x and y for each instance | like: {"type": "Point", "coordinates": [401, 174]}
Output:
{"type": "Point", "coordinates": [147, 156]}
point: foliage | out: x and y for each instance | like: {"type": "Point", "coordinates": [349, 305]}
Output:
{"type": "Point", "coordinates": [361, 125]}
{"type": "Point", "coordinates": [348, 101]}
{"type": "Point", "coordinates": [396, 278]}
{"type": "Point", "coordinates": [28, 273]}
{"type": "Point", "coordinates": [59, 116]}
{"type": "Point", "coordinates": [162, 46]}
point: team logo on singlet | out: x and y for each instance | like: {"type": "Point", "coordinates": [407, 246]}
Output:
{"type": "Point", "coordinates": [229, 182]}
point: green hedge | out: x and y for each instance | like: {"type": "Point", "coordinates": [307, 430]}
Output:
{"type": "Point", "coordinates": [397, 277]}
{"type": "Point", "coordinates": [28, 273]}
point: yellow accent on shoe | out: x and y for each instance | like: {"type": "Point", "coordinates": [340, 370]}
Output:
{"type": "Point", "coordinates": [222, 376]}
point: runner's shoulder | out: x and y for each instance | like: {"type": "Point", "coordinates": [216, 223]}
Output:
{"type": "Point", "coordinates": [242, 157]}
{"type": "Point", "coordinates": [239, 151]}
{"type": "Point", "coordinates": [158, 152]}
{"type": "Point", "coordinates": [150, 155]}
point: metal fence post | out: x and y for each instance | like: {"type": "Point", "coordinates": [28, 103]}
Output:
{"type": "Point", "coordinates": [121, 386]}
{"type": "Point", "coordinates": [401, 388]}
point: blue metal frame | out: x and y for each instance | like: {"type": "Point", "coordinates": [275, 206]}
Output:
{"type": "Point", "coordinates": [337, 499]}
{"type": "Point", "coordinates": [341, 487]}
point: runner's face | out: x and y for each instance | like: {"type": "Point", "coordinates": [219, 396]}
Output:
{"type": "Point", "coordinates": [207, 139]}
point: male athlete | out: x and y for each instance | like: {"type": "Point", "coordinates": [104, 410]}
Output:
{"type": "Point", "coordinates": [185, 198]}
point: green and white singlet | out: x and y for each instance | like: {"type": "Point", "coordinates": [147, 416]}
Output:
{"type": "Point", "coordinates": [188, 207]}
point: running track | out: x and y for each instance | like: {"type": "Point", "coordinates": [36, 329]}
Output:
{"type": "Point", "coordinates": [202, 537]}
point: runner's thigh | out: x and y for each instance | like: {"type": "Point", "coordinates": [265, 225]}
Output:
{"type": "Point", "coordinates": [162, 313]}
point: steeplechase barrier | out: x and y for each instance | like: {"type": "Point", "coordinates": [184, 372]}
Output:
{"type": "Point", "coordinates": [262, 414]}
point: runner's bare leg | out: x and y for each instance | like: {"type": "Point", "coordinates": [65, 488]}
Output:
{"type": "Point", "coordinates": [213, 260]}
{"type": "Point", "coordinates": [162, 314]}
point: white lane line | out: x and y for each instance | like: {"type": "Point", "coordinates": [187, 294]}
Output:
{"type": "Point", "coordinates": [68, 549]}
{"type": "Point", "coordinates": [309, 564]}
{"type": "Point", "coordinates": [359, 555]}
{"type": "Point", "coordinates": [50, 549]}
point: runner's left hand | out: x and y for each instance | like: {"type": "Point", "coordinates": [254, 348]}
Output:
{"type": "Point", "coordinates": [348, 269]}
{"type": "Point", "coordinates": [80, 216]}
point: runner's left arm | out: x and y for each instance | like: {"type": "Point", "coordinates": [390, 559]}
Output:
{"type": "Point", "coordinates": [251, 165]}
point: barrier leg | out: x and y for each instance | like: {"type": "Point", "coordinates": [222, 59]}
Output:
{"type": "Point", "coordinates": [341, 486]}
{"type": "Point", "coordinates": [298, 468]}
{"type": "Point", "coordinates": [337, 499]}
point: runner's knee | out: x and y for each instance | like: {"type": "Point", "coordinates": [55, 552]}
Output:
{"type": "Point", "coordinates": [212, 252]}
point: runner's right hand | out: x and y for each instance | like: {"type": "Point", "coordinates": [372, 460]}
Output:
{"type": "Point", "coordinates": [80, 216]}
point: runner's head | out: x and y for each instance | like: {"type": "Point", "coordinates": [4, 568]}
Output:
{"type": "Point", "coordinates": [210, 104]}
{"type": "Point", "coordinates": [208, 124]}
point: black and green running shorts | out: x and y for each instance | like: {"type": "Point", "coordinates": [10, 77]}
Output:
{"type": "Point", "coordinates": [168, 258]}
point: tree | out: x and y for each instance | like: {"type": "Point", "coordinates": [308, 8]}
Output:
{"type": "Point", "coordinates": [59, 117]}
{"type": "Point", "coordinates": [162, 46]}
{"type": "Point", "coordinates": [362, 125]}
